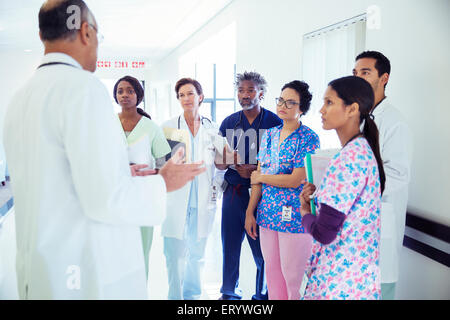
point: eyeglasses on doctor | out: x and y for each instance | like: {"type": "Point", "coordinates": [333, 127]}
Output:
{"type": "Point", "coordinates": [100, 36]}
{"type": "Point", "coordinates": [288, 103]}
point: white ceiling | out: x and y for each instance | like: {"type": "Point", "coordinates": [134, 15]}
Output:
{"type": "Point", "coordinates": [150, 28]}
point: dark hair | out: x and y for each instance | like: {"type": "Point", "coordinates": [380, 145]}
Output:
{"type": "Point", "coordinates": [136, 84]}
{"type": "Point", "coordinates": [354, 89]}
{"type": "Point", "coordinates": [303, 92]}
{"type": "Point", "coordinates": [184, 81]}
{"type": "Point", "coordinates": [382, 64]}
{"type": "Point", "coordinates": [254, 77]}
{"type": "Point", "coordinates": [57, 22]}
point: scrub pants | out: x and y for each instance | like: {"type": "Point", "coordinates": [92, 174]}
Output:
{"type": "Point", "coordinates": [234, 204]}
{"type": "Point", "coordinates": [184, 260]}
{"type": "Point", "coordinates": [286, 255]}
{"type": "Point", "coordinates": [147, 239]}
{"type": "Point", "coordinates": [388, 291]}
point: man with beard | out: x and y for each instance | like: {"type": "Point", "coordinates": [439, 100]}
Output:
{"type": "Point", "coordinates": [243, 131]}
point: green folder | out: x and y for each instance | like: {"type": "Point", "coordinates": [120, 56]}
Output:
{"type": "Point", "coordinates": [309, 177]}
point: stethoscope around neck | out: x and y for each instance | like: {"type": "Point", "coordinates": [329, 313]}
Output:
{"type": "Point", "coordinates": [202, 119]}
{"type": "Point", "coordinates": [239, 122]}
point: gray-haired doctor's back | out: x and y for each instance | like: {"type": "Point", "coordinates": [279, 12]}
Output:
{"type": "Point", "coordinates": [78, 206]}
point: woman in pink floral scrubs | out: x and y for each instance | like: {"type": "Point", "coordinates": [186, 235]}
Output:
{"type": "Point", "coordinates": [346, 232]}
{"type": "Point", "coordinates": [277, 183]}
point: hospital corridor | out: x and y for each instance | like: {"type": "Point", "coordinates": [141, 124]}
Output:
{"type": "Point", "coordinates": [224, 150]}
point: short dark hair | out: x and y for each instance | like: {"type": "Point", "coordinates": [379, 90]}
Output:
{"type": "Point", "coordinates": [382, 64]}
{"type": "Point", "coordinates": [184, 81]}
{"type": "Point", "coordinates": [54, 21]}
{"type": "Point", "coordinates": [254, 77]}
{"type": "Point", "coordinates": [135, 83]}
{"type": "Point", "coordinates": [303, 92]}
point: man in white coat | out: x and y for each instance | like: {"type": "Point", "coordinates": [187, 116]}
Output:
{"type": "Point", "coordinates": [396, 151]}
{"type": "Point", "coordinates": [78, 207]}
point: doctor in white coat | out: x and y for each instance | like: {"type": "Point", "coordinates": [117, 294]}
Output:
{"type": "Point", "coordinates": [78, 208]}
{"type": "Point", "coordinates": [191, 210]}
{"type": "Point", "coordinates": [395, 140]}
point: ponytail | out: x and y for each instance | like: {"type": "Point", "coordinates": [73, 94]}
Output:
{"type": "Point", "coordinates": [143, 113]}
{"type": "Point", "coordinates": [370, 132]}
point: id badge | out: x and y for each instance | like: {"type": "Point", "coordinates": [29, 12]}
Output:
{"type": "Point", "coordinates": [303, 286]}
{"type": "Point", "coordinates": [287, 214]}
{"type": "Point", "coordinates": [213, 194]}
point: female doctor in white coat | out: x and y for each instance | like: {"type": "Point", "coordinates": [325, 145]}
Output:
{"type": "Point", "coordinates": [190, 210]}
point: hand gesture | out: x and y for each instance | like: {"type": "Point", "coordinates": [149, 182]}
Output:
{"type": "Point", "coordinates": [176, 174]}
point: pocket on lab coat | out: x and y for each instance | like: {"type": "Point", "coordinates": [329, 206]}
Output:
{"type": "Point", "coordinates": [388, 248]}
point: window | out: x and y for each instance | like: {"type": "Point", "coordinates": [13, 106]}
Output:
{"type": "Point", "coordinates": [212, 63]}
{"type": "Point", "coordinates": [329, 53]}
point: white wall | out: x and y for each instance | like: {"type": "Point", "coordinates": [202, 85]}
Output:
{"type": "Point", "coordinates": [413, 35]}
{"type": "Point", "coordinates": [16, 67]}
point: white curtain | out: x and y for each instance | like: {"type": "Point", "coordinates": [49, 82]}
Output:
{"type": "Point", "coordinates": [329, 54]}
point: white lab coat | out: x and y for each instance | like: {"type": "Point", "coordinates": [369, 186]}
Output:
{"type": "Point", "coordinates": [78, 210]}
{"type": "Point", "coordinates": [177, 201]}
{"type": "Point", "coordinates": [396, 152]}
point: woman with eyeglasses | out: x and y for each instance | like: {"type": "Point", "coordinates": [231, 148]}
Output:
{"type": "Point", "coordinates": [346, 231]}
{"type": "Point", "coordinates": [145, 139]}
{"type": "Point", "coordinates": [276, 187]}
{"type": "Point", "coordinates": [191, 210]}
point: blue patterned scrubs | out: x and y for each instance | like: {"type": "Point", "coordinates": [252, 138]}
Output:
{"type": "Point", "coordinates": [276, 159]}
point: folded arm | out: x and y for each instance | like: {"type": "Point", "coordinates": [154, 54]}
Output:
{"type": "Point", "coordinates": [292, 180]}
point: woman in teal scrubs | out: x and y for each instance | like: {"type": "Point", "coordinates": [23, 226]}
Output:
{"type": "Point", "coordinates": [138, 128]}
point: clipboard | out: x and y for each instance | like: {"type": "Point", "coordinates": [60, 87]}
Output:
{"type": "Point", "coordinates": [310, 178]}
{"type": "Point", "coordinates": [139, 152]}
{"type": "Point", "coordinates": [316, 167]}
{"type": "Point", "coordinates": [178, 138]}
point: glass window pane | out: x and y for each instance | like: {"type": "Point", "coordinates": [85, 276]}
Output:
{"type": "Point", "coordinates": [225, 80]}
{"type": "Point", "coordinates": [223, 110]}
{"type": "Point", "coordinates": [205, 75]}
{"type": "Point", "coordinates": [205, 110]}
